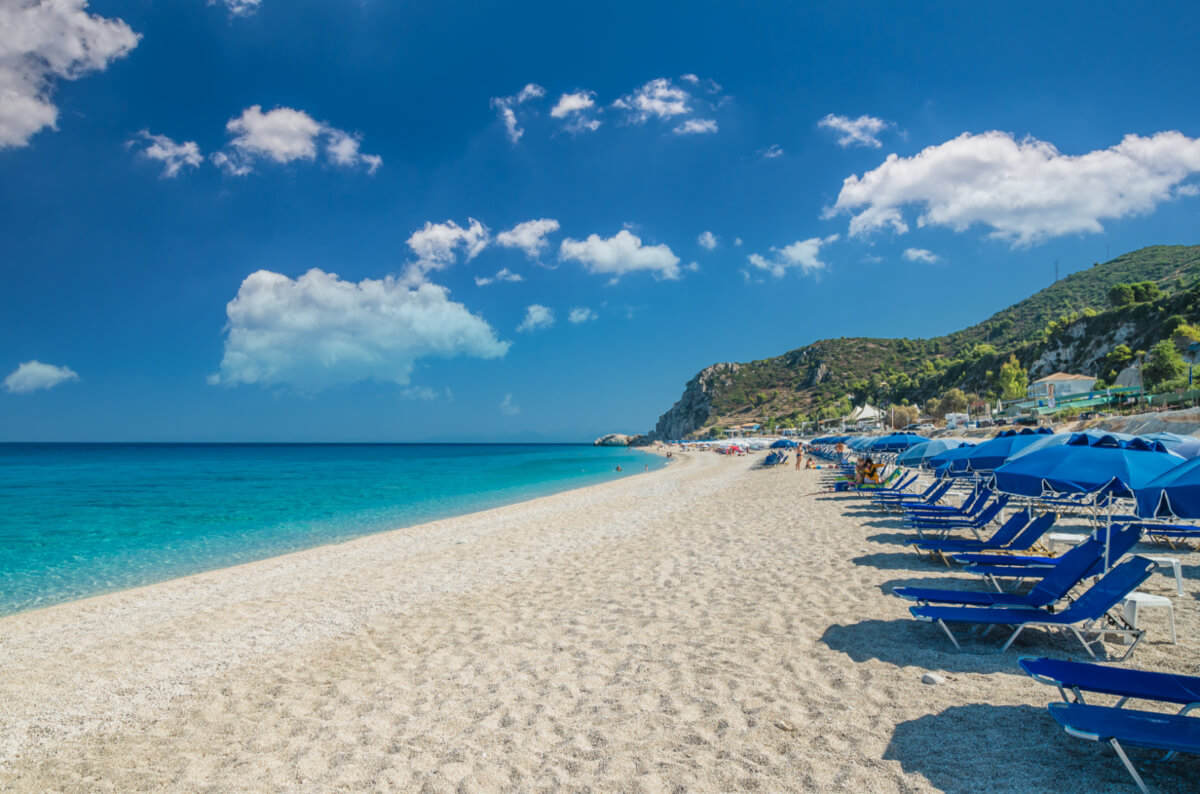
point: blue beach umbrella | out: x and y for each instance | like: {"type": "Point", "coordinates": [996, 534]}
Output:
{"type": "Point", "coordinates": [784, 443]}
{"type": "Point", "coordinates": [1054, 440]}
{"type": "Point", "coordinates": [896, 442]}
{"type": "Point", "coordinates": [1105, 465]}
{"type": "Point", "coordinates": [921, 453]}
{"type": "Point", "coordinates": [1189, 450]}
{"type": "Point", "coordinates": [1173, 493]}
{"type": "Point", "coordinates": [943, 462]}
{"type": "Point", "coordinates": [1171, 441]}
{"type": "Point", "coordinates": [992, 453]}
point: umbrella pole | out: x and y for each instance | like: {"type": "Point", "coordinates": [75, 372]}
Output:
{"type": "Point", "coordinates": [1107, 534]}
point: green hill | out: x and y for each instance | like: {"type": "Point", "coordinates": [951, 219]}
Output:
{"type": "Point", "coordinates": [1070, 324]}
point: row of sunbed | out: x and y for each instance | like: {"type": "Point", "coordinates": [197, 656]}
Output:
{"type": "Point", "coordinates": [1084, 579]}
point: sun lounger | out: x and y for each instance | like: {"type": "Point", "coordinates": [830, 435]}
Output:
{"type": "Point", "coordinates": [945, 526]}
{"type": "Point", "coordinates": [1116, 727]}
{"type": "Point", "coordinates": [1088, 614]}
{"type": "Point", "coordinates": [1073, 568]}
{"type": "Point", "coordinates": [900, 493]}
{"type": "Point", "coordinates": [969, 510]}
{"type": "Point", "coordinates": [1018, 533]}
{"type": "Point", "coordinates": [1122, 682]}
{"type": "Point", "coordinates": [1111, 725]}
{"type": "Point", "coordinates": [930, 497]}
{"type": "Point", "coordinates": [999, 566]}
{"type": "Point", "coordinates": [970, 506]}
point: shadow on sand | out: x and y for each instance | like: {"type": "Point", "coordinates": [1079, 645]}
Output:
{"type": "Point", "coordinates": [949, 582]}
{"type": "Point", "coordinates": [900, 561]}
{"type": "Point", "coordinates": [907, 642]}
{"type": "Point", "coordinates": [892, 537]}
{"type": "Point", "coordinates": [1021, 748]}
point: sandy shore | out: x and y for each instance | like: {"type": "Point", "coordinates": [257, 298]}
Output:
{"type": "Point", "coordinates": [701, 628]}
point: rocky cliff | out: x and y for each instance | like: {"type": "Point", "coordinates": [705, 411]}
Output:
{"type": "Point", "coordinates": [693, 408]}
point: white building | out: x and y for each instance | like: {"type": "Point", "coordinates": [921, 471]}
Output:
{"type": "Point", "coordinates": [1060, 384]}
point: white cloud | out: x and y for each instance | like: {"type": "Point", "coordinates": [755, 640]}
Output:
{"type": "Point", "coordinates": [861, 131]}
{"type": "Point", "coordinates": [342, 148]}
{"type": "Point", "coordinates": [576, 110]}
{"type": "Point", "coordinates": [737, 241]}
{"type": "Point", "coordinates": [921, 255]}
{"type": "Point", "coordinates": [711, 86]}
{"type": "Point", "coordinates": [508, 407]}
{"type": "Point", "coordinates": [692, 267]}
{"type": "Point", "coordinates": [804, 254]}
{"type": "Point", "coordinates": [174, 156]}
{"type": "Point", "coordinates": [707, 240]}
{"type": "Point", "coordinates": [284, 135]}
{"type": "Point", "coordinates": [502, 275]}
{"type": "Point", "coordinates": [34, 375]}
{"type": "Point", "coordinates": [238, 8]}
{"type": "Point", "coordinates": [581, 314]}
{"type": "Point", "coordinates": [537, 317]}
{"type": "Point", "coordinates": [659, 98]}
{"type": "Point", "coordinates": [771, 152]}
{"type": "Point", "coordinates": [1026, 191]}
{"type": "Point", "coordinates": [318, 331]}
{"type": "Point", "coordinates": [419, 393]}
{"type": "Point", "coordinates": [696, 127]}
{"type": "Point", "coordinates": [573, 103]}
{"type": "Point", "coordinates": [623, 253]}
{"type": "Point", "coordinates": [529, 236]}
{"type": "Point", "coordinates": [41, 42]}
{"type": "Point", "coordinates": [506, 108]}
{"type": "Point", "coordinates": [437, 245]}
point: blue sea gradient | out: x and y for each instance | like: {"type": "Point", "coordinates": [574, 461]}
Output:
{"type": "Point", "coordinates": [78, 520]}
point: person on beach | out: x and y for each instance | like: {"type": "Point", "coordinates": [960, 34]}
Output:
{"type": "Point", "coordinates": [865, 470]}
{"type": "Point", "coordinates": [799, 457]}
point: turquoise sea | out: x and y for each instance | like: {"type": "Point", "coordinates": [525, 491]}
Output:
{"type": "Point", "coordinates": [78, 520]}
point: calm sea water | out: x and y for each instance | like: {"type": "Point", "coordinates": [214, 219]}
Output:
{"type": "Point", "coordinates": [82, 519]}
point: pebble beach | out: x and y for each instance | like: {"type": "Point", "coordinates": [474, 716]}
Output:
{"type": "Point", "coordinates": [708, 627]}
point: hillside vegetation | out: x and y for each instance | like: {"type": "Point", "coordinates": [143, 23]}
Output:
{"type": "Point", "coordinates": [1072, 325]}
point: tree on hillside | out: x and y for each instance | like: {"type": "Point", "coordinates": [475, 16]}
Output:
{"type": "Point", "coordinates": [953, 402]}
{"type": "Point", "coordinates": [1013, 381]}
{"type": "Point", "coordinates": [1183, 335]}
{"type": "Point", "coordinates": [1163, 365]}
{"type": "Point", "coordinates": [903, 415]}
{"type": "Point", "coordinates": [1120, 295]}
{"type": "Point", "coordinates": [1144, 291]}
{"type": "Point", "coordinates": [933, 408]}
{"type": "Point", "coordinates": [1118, 358]}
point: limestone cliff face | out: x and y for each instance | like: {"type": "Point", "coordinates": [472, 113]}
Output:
{"type": "Point", "coordinates": [693, 408]}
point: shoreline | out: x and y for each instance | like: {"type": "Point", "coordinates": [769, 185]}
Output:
{"type": "Point", "coordinates": [486, 500]}
{"type": "Point", "coordinates": [116, 614]}
{"type": "Point", "coordinates": [708, 628]}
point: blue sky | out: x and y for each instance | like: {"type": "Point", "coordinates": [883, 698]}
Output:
{"type": "Point", "coordinates": [304, 220]}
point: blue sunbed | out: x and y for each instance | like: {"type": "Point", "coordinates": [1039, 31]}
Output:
{"type": "Point", "coordinates": [1171, 732]}
{"type": "Point", "coordinates": [1087, 614]}
{"type": "Point", "coordinates": [1019, 533]}
{"type": "Point", "coordinates": [1074, 567]}
{"type": "Point", "coordinates": [998, 566]}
